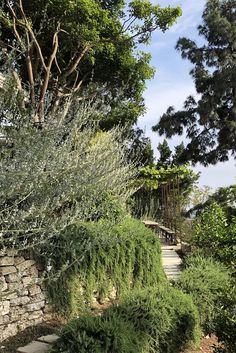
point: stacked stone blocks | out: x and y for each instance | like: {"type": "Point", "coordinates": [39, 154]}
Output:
{"type": "Point", "coordinates": [23, 299]}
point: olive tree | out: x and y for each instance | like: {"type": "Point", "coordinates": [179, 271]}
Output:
{"type": "Point", "coordinates": [63, 173]}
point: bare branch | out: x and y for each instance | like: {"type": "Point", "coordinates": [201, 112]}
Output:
{"type": "Point", "coordinates": [30, 68]}
{"type": "Point", "coordinates": [126, 21]}
{"type": "Point", "coordinates": [14, 27]}
{"type": "Point", "coordinates": [129, 25]}
{"type": "Point", "coordinates": [33, 37]}
{"type": "Point", "coordinates": [57, 65]}
{"type": "Point", "coordinates": [8, 46]}
{"type": "Point", "coordinates": [38, 48]}
{"type": "Point", "coordinates": [76, 62]}
{"type": "Point", "coordinates": [47, 75]}
{"type": "Point", "coordinates": [19, 87]}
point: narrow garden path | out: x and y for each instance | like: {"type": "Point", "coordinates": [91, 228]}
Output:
{"type": "Point", "coordinates": [171, 261]}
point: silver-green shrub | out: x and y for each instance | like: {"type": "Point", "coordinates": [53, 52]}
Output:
{"type": "Point", "coordinates": [58, 173]}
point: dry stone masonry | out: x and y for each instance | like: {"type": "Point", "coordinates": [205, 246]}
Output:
{"type": "Point", "coordinates": [23, 300]}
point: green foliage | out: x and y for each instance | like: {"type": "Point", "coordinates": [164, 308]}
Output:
{"type": "Point", "coordinates": [153, 177]}
{"type": "Point", "coordinates": [187, 228]}
{"type": "Point", "coordinates": [98, 335]}
{"type": "Point", "coordinates": [208, 123]}
{"type": "Point", "coordinates": [156, 319]}
{"type": "Point", "coordinates": [148, 200]}
{"type": "Point", "coordinates": [165, 314]}
{"type": "Point", "coordinates": [224, 196]}
{"type": "Point", "coordinates": [146, 204]}
{"type": "Point", "coordinates": [199, 195]}
{"type": "Point", "coordinates": [168, 158]}
{"type": "Point", "coordinates": [208, 282]}
{"type": "Point", "coordinates": [215, 236]}
{"type": "Point", "coordinates": [226, 322]}
{"type": "Point", "coordinates": [164, 154]}
{"type": "Point", "coordinates": [210, 230]}
{"type": "Point", "coordinates": [122, 256]}
{"type": "Point", "coordinates": [97, 50]}
{"type": "Point", "coordinates": [139, 148]}
{"type": "Point", "coordinates": [53, 177]}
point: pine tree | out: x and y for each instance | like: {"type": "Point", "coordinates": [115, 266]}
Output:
{"type": "Point", "coordinates": [210, 122]}
{"type": "Point", "coordinates": [167, 157]}
{"type": "Point", "coordinates": [165, 154]}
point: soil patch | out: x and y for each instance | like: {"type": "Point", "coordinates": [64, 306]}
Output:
{"type": "Point", "coordinates": [206, 346]}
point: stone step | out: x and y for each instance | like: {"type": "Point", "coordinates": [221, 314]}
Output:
{"type": "Point", "coordinates": [42, 345]}
{"type": "Point", "coordinates": [48, 339]}
{"type": "Point", "coordinates": [172, 269]}
{"type": "Point", "coordinates": [171, 262]}
{"type": "Point", "coordinates": [35, 347]}
{"type": "Point", "coordinates": [172, 274]}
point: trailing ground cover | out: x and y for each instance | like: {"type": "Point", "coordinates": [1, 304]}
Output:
{"type": "Point", "coordinates": [164, 313]}
{"type": "Point", "coordinates": [99, 335]}
{"type": "Point", "coordinates": [120, 257]}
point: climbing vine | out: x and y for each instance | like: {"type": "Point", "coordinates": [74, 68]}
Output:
{"type": "Point", "coordinates": [163, 192]}
{"type": "Point", "coordinates": [153, 178]}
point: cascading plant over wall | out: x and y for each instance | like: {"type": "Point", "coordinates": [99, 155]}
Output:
{"type": "Point", "coordinates": [119, 257]}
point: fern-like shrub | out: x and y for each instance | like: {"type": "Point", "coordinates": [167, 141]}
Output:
{"type": "Point", "coordinates": [208, 282]}
{"type": "Point", "coordinates": [94, 334]}
{"type": "Point", "coordinates": [156, 319]}
{"type": "Point", "coordinates": [164, 313]}
{"type": "Point", "coordinates": [120, 257]}
{"type": "Point", "coordinates": [226, 322]}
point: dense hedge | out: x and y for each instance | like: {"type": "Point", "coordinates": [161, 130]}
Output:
{"type": "Point", "coordinates": [208, 282]}
{"type": "Point", "coordinates": [215, 236]}
{"type": "Point", "coordinates": [123, 256]}
{"type": "Point", "coordinates": [226, 322]}
{"type": "Point", "coordinates": [156, 319]}
{"type": "Point", "coordinates": [164, 313]}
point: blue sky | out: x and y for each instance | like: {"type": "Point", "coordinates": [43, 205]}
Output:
{"type": "Point", "coordinates": [172, 84]}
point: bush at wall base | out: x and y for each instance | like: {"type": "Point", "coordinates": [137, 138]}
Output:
{"type": "Point", "coordinates": [208, 282]}
{"type": "Point", "coordinates": [156, 319]}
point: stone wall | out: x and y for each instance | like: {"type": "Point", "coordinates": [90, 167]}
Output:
{"type": "Point", "coordinates": [23, 299]}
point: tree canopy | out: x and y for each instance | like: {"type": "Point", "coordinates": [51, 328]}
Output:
{"type": "Point", "coordinates": [167, 157]}
{"type": "Point", "coordinates": [139, 148]}
{"type": "Point", "coordinates": [61, 49]}
{"type": "Point", "coordinates": [224, 196]}
{"type": "Point", "coordinates": [210, 122]}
